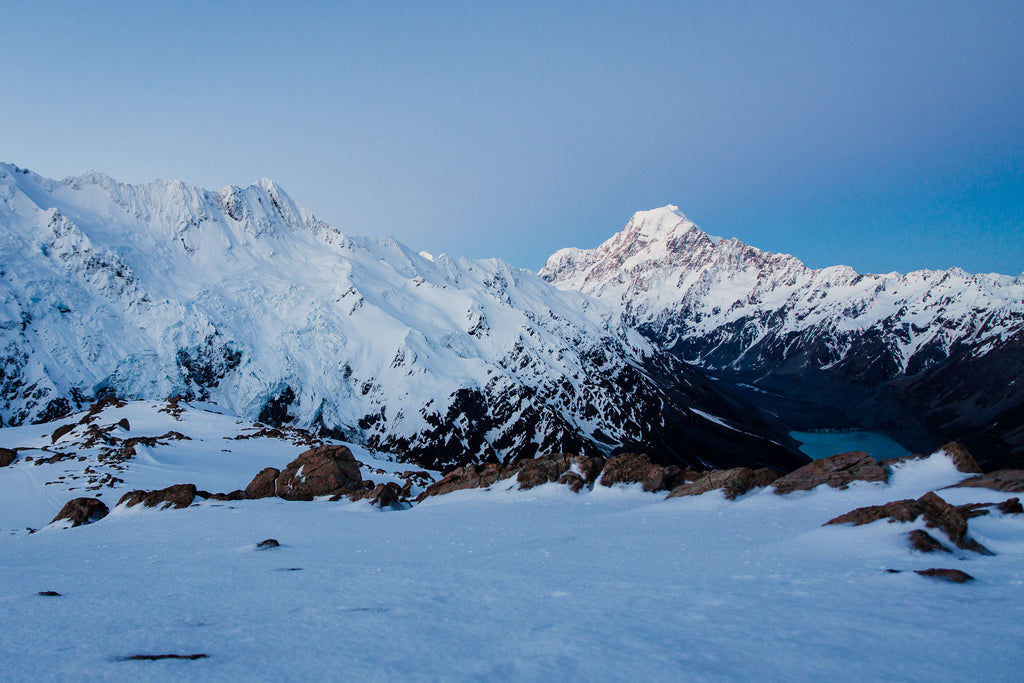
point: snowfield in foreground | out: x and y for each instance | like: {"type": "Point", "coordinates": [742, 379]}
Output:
{"type": "Point", "coordinates": [546, 584]}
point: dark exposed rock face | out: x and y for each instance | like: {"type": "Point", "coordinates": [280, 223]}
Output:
{"type": "Point", "coordinates": [951, 575]}
{"type": "Point", "coordinates": [1011, 481]}
{"type": "Point", "coordinates": [81, 511]}
{"type": "Point", "coordinates": [388, 494]}
{"type": "Point", "coordinates": [838, 471]}
{"type": "Point", "coordinates": [267, 544]}
{"type": "Point", "coordinates": [734, 482]}
{"type": "Point", "coordinates": [177, 496]}
{"type": "Point", "coordinates": [925, 542]}
{"type": "Point", "coordinates": [264, 484]}
{"type": "Point", "coordinates": [320, 471]}
{"type": "Point", "coordinates": [7, 456]}
{"type": "Point", "coordinates": [937, 514]}
{"type": "Point", "coordinates": [1011, 506]}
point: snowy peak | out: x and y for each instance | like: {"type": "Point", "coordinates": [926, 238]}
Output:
{"type": "Point", "coordinates": [243, 298]}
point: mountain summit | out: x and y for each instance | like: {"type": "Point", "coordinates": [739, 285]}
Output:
{"type": "Point", "coordinates": [243, 298]}
{"type": "Point", "coordinates": [830, 336]}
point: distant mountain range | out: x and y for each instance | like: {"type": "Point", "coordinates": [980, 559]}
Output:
{"type": "Point", "coordinates": [242, 298]}
{"type": "Point", "coordinates": [927, 357]}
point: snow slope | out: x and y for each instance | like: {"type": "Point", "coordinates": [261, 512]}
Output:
{"type": "Point", "coordinates": [242, 298]}
{"type": "Point", "coordinates": [609, 584]}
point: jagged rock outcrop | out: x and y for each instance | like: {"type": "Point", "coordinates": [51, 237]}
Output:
{"type": "Point", "coordinates": [79, 511]}
{"type": "Point", "coordinates": [838, 471]}
{"type": "Point", "coordinates": [924, 542]}
{"type": "Point", "coordinates": [176, 496]}
{"type": "Point", "coordinates": [937, 513]}
{"type": "Point", "coordinates": [7, 456]}
{"type": "Point", "coordinates": [320, 471]}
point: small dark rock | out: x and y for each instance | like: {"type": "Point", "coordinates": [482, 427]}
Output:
{"type": "Point", "coordinates": [268, 543]}
{"type": "Point", "coordinates": [7, 456]}
{"type": "Point", "coordinates": [153, 658]}
{"type": "Point", "coordinates": [124, 424]}
{"type": "Point", "coordinates": [1011, 506]}
{"type": "Point", "coordinates": [50, 594]}
{"type": "Point", "coordinates": [925, 542]}
{"type": "Point", "coordinates": [61, 431]}
{"type": "Point", "coordinates": [953, 575]}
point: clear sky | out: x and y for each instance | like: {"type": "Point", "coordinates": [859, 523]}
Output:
{"type": "Point", "coordinates": [884, 135]}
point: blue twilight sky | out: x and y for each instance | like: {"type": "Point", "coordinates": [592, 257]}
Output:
{"type": "Point", "coordinates": [884, 135]}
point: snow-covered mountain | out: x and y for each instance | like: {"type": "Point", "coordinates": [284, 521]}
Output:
{"type": "Point", "coordinates": [728, 306]}
{"type": "Point", "coordinates": [243, 298]}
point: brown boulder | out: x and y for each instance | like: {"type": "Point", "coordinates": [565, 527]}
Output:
{"type": "Point", "coordinates": [1010, 481]}
{"type": "Point", "coordinates": [838, 471]}
{"type": "Point", "coordinates": [632, 468]}
{"type": "Point", "coordinates": [7, 456]}
{"type": "Point", "coordinates": [320, 471]}
{"type": "Point", "coordinates": [962, 457]}
{"type": "Point", "coordinates": [733, 482]}
{"type": "Point", "coordinates": [952, 575]}
{"type": "Point", "coordinates": [1011, 506]}
{"type": "Point", "coordinates": [388, 494]}
{"type": "Point", "coordinates": [177, 496]}
{"type": "Point", "coordinates": [81, 511]}
{"type": "Point", "coordinates": [264, 484]}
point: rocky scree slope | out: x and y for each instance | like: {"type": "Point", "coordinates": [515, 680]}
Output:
{"type": "Point", "coordinates": [844, 348]}
{"type": "Point", "coordinates": [243, 298]}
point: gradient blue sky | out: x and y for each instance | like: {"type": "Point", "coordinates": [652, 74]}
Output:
{"type": "Point", "coordinates": [884, 135]}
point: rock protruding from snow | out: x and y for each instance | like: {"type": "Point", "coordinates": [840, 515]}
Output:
{"type": "Point", "coordinates": [264, 484]}
{"type": "Point", "coordinates": [7, 456]}
{"type": "Point", "coordinates": [176, 496]}
{"type": "Point", "coordinates": [951, 575]}
{"type": "Point", "coordinates": [79, 511]}
{"type": "Point", "coordinates": [321, 471]}
{"type": "Point", "coordinates": [937, 513]}
{"type": "Point", "coordinates": [838, 471]}
{"type": "Point", "coordinates": [1011, 481]}
{"type": "Point", "coordinates": [733, 482]}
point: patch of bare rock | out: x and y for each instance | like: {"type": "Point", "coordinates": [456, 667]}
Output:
{"type": "Point", "coordinates": [838, 471]}
{"type": "Point", "coordinates": [79, 511]}
{"type": "Point", "coordinates": [7, 456]}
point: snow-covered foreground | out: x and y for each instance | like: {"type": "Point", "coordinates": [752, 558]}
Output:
{"type": "Point", "coordinates": [545, 584]}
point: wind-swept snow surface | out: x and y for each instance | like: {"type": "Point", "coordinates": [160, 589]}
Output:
{"type": "Point", "coordinates": [545, 584]}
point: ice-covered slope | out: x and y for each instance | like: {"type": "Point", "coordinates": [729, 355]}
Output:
{"type": "Point", "coordinates": [244, 298]}
{"type": "Point", "coordinates": [829, 336]}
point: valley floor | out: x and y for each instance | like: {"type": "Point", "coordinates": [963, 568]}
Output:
{"type": "Point", "coordinates": [545, 584]}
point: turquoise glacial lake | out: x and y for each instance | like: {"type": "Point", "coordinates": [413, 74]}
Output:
{"type": "Point", "coordinates": [823, 444]}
